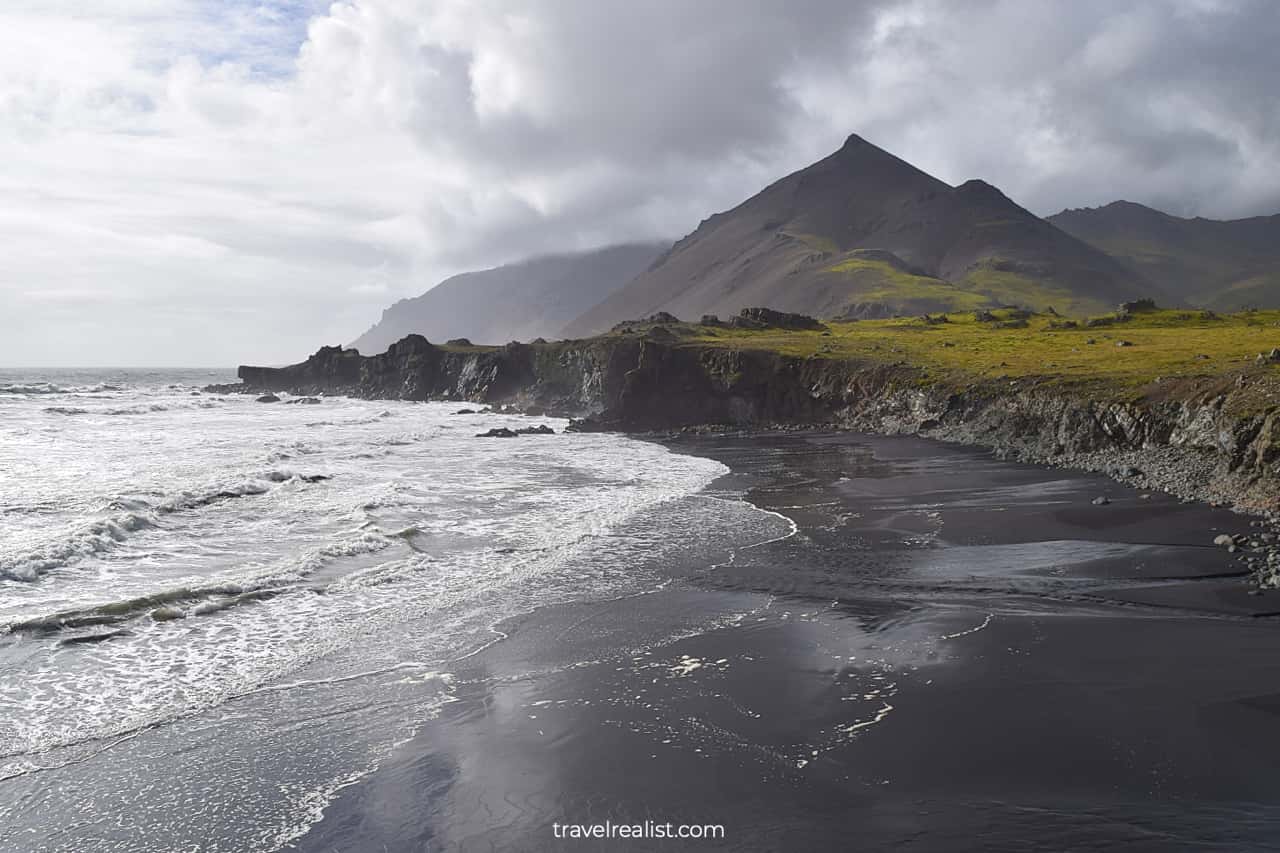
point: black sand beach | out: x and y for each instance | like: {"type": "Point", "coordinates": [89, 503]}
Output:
{"type": "Point", "coordinates": [950, 653]}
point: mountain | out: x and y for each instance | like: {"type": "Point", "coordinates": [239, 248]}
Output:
{"type": "Point", "coordinates": [521, 301]}
{"type": "Point", "coordinates": [862, 232]}
{"type": "Point", "coordinates": [1227, 265]}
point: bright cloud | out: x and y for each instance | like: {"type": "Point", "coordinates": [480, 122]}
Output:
{"type": "Point", "coordinates": [194, 182]}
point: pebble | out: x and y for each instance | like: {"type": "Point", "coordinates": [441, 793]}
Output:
{"type": "Point", "coordinates": [1101, 501]}
{"type": "Point", "coordinates": [1223, 539]}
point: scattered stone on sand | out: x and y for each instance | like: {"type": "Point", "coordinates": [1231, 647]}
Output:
{"type": "Point", "coordinates": [268, 398]}
{"type": "Point", "coordinates": [497, 432]}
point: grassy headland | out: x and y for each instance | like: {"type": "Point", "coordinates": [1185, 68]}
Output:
{"type": "Point", "coordinates": [1123, 356]}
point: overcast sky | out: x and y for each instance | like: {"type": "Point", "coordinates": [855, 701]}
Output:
{"type": "Point", "coordinates": [209, 182]}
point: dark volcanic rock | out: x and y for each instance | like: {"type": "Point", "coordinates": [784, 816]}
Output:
{"type": "Point", "coordinates": [497, 432]}
{"type": "Point", "coordinates": [304, 401]}
{"type": "Point", "coordinates": [647, 324]}
{"type": "Point", "coordinates": [540, 429]}
{"type": "Point", "coordinates": [1189, 440]}
{"type": "Point", "coordinates": [767, 318]}
{"type": "Point", "coordinates": [1137, 306]}
{"type": "Point", "coordinates": [268, 398]}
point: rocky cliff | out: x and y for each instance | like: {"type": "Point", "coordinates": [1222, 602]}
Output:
{"type": "Point", "coordinates": [1191, 439]}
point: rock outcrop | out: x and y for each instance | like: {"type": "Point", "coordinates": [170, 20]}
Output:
{"type": "Point", "coordinates": [1187, 437]}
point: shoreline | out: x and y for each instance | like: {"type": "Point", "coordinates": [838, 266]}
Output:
{"type": "Point", "coordinates": [971, 648]}
{"type": "Point", "coordinates": [1151, 470]}
{"type": "Point", "coordinates": [1187, 471]}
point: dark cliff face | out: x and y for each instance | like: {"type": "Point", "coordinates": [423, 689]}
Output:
{"type": "Point", "coordinates": [572, 379]}
{"type": "Point", "coordinates": [630, 382]}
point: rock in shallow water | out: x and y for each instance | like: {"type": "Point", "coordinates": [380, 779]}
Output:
{"type": "Point", "coordinates": [497, 432]}
{"type": "Point", "coordinates": [268, 398]}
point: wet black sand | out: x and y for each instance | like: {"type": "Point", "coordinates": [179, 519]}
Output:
{"type": "Point", "coordinates": [950, 653]}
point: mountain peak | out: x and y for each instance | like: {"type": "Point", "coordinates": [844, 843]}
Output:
{"type": "Point", "coordinates": [853, 142]}
{"type": "Point", "coordinates": [977, 186]}
{"type": "Point", "coordinates": [863, 225]}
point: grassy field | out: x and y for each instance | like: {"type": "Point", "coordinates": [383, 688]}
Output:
{"type": "Point", "coordinates": [1125, 355]}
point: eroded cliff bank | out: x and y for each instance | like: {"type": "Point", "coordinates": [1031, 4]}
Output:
{"type": "Point", "coordinates": [1206, 438]}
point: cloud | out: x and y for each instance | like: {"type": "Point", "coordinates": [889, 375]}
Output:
{"type": "Point", "coordinates": [206, 183]}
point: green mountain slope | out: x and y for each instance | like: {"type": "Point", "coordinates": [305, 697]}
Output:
{"type": "Point", "coordinates": [863, 233]}
{"type": "Point", "coordinates": [1226, 265]}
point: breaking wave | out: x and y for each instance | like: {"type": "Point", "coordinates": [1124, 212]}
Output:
{"type": "Point", "coordinates": [124, 516]}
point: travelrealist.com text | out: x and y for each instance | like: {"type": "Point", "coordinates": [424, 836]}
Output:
{"type": "Point", "coordinates": [647, 829]}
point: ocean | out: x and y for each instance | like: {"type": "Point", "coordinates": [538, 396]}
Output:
{"type": "Point", "coordinates": [216, 614]}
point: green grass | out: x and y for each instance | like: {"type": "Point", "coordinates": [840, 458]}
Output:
{"type": "Point", "coordinates": [1165, 346]}
{"type": "Point", "coordinates": [1260, 289]}
{"type": "Point", "coordinates": [1005, 287]}
{"type": "Point", "coordinates": [877, 280]}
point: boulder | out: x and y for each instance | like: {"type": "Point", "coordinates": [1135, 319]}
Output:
{"type": "Point", "coordinates": [497, 432]}
{"type": "Point", "coordinates": [540, 429]}
{"type": "Point", "coordinates": [268, 398]}
{"type": "Point", "coordinates": [767, 318]}
{"type": "Point", "coordinates": [1138, 306]}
